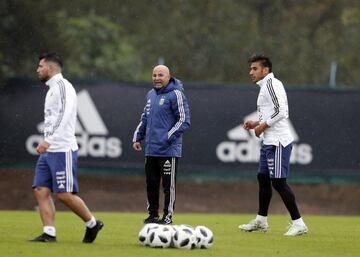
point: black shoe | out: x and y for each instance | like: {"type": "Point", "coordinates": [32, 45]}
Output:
{"type": "Point", "coordinates": [165, 221]}
{"type": "Point", "coordinates": [151, 219]}
{"type": "Point", "coordinates": [91, 233]}
{"type": "Point", "coordinates": [45, 238]}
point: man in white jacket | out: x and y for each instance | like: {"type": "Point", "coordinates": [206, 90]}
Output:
{"type": "Point", "coordinates": [276, 147]}
{"type": "Point", "coordinates": [56, 168]}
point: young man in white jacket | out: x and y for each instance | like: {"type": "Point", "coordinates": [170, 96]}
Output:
{"type": "Point", "coordinates": [273, 112]}
{"type": "Point", "coordinates": [56, 168]}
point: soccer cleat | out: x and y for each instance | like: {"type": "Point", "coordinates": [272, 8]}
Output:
{"type": "Point", "coordinates": [151, 219]}
{"type": "Point", "coordinates": [296, 230]}
{"type": "Point", "coordinates": [91, 233]}
{"type": "Point", "coordinates": [165, 221]}
{"type": "Point", "coordinates": [45, 238]}
{"type": "Point", "coordinates": [254, 225]}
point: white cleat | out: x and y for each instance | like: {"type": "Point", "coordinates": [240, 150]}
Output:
{"type": "Point", "coordinates": [254, 225]}
{"type": "Point", "coordinates": [296, 230]}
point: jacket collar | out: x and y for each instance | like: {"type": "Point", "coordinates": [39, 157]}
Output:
{"type": "Point", "coordinates": [172, 85]}
{"type": "Point", "coordinates": [52, 81]}
{"type": "Point", "coordinates": [265, 79]}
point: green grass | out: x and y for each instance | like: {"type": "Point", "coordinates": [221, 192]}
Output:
{"type": "Point", "coordinates": [328, 236]}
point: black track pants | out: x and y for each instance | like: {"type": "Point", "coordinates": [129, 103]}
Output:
{"type": "Point", "coordinates": [159, 169]}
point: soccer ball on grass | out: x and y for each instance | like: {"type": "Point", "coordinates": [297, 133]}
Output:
{"type": "Point", "coordinates": [184, 237]}
{"type": "Point", "coordinates": [204, 237]}
{"type": "Point", "coordinates": [145, 232]}
{"type": "Point", "coordinates": [160, 237]}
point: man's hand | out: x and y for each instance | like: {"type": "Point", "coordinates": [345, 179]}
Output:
{"type": "Point", "coordinates": [137, 146]}
{"type": "Point", "coordinates": [42, 147]}
{"type": "Point", "coordinates": [260, 128]}
{"type": "Point", "coordinates": [250, 124]}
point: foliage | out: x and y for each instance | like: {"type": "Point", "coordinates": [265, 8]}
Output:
{"type": "Point", "coordinates": [201, 40]}
{"type": "Point", "coordinates": [98, 49]}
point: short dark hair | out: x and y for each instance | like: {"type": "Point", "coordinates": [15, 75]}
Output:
{"type": "Point", "coordinates": [52, 57]}
{"type": "Point", "coordinates": [264, 60]}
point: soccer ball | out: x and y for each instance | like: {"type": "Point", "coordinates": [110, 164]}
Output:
{"type": "Point", "coordinates": [204, 237]}
{"type": "Point", "coordinates": [173, 228]}
{"type": "Point", "coordinates": [160, 237]}
{"type": "Point", "coordinates": [145, 231]}
{"type": "Point", "coordinates": [184, 237]}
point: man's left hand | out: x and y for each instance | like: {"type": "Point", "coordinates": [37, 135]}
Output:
{"type": "Point", "coordinates": [260, 128]}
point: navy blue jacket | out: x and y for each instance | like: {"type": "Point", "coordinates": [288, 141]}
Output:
{"type": "Point", "coordinates": [164, 119]}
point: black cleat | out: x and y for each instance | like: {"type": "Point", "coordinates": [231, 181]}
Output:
{"type": "Point", "coordinates": [45, 238]}
{"type": "Point", "coordinates": [151, 219]}
{"type": "Point", "coordinates": [91, 233]}
{"type": "Point", "coordinates": [165, 221]}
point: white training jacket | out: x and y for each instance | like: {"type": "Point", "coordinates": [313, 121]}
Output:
{"type": "Point", "coordinates": [272, 106]}
{"type": "Point", "coordinates": [60, 115]}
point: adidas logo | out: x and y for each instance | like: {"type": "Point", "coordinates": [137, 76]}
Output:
{"type": "Point", "coordinates": [244, 146]}
{"type": "Point", "coordinates": [91, 132]}
{"type": "Point", "coordinates": [167, 168]}
{"type": "Point", "coordinates": [167, 164]}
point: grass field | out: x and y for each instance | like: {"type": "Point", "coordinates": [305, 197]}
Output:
{"type": "Point", "coordinates": [328, 236]}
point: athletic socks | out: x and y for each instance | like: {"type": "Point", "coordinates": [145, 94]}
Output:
{"type": "Point", "coordinates": [91, 223]}
{"type": "Point", "coordinates": [299, 222]}
{"type": "Point", "coordinates": [262, 219]}
{"type": "Point", "coordinates": [49, 230]}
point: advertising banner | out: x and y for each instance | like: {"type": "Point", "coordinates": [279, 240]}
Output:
{"type": "Point", "coordinates": [323, 123]}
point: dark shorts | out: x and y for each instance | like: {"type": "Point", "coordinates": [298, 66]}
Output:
{"type": "Point", "coordinates": [57, 171]}
{"type": "Point", "coordinates": [275, 160]}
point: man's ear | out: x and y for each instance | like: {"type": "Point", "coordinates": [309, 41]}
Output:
{"type": "Point", "coordinates": [266, 70]}
{"type": "Point", "coordinates": [50, 67]}
{"type": "Point", "coordinates": [54, 68]}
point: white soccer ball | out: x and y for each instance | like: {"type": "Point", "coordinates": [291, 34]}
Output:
{"type": "Point", "coordinates": [160, 237]}
{"type": "Point", "coordinates": [184, 237]}
{"type": "Point", "coordinates": [173, 229]}
{"type": "Point", "coordinates": [204, 237]}
{"type": "Point", "coordinates": [145, 232]}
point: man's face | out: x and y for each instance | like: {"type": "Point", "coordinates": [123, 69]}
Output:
{"type": "Point", "coordinates": [160, 76]}
{"type": "Point", "coordinates": [257, 72]}
{"type": "Point", "coordinates": [43, 70]}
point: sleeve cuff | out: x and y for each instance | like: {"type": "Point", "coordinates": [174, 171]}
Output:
{"type": "Point", "coordinates": [270, 122]}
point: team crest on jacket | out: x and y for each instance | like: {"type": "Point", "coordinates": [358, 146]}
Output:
{"type": "Point", "coordinates": [162, 100]}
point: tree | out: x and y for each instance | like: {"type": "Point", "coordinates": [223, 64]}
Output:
{"type": "Point", "coordinates": [97, 48]}
{"type": "Point", "coordinates": [201, 40]}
